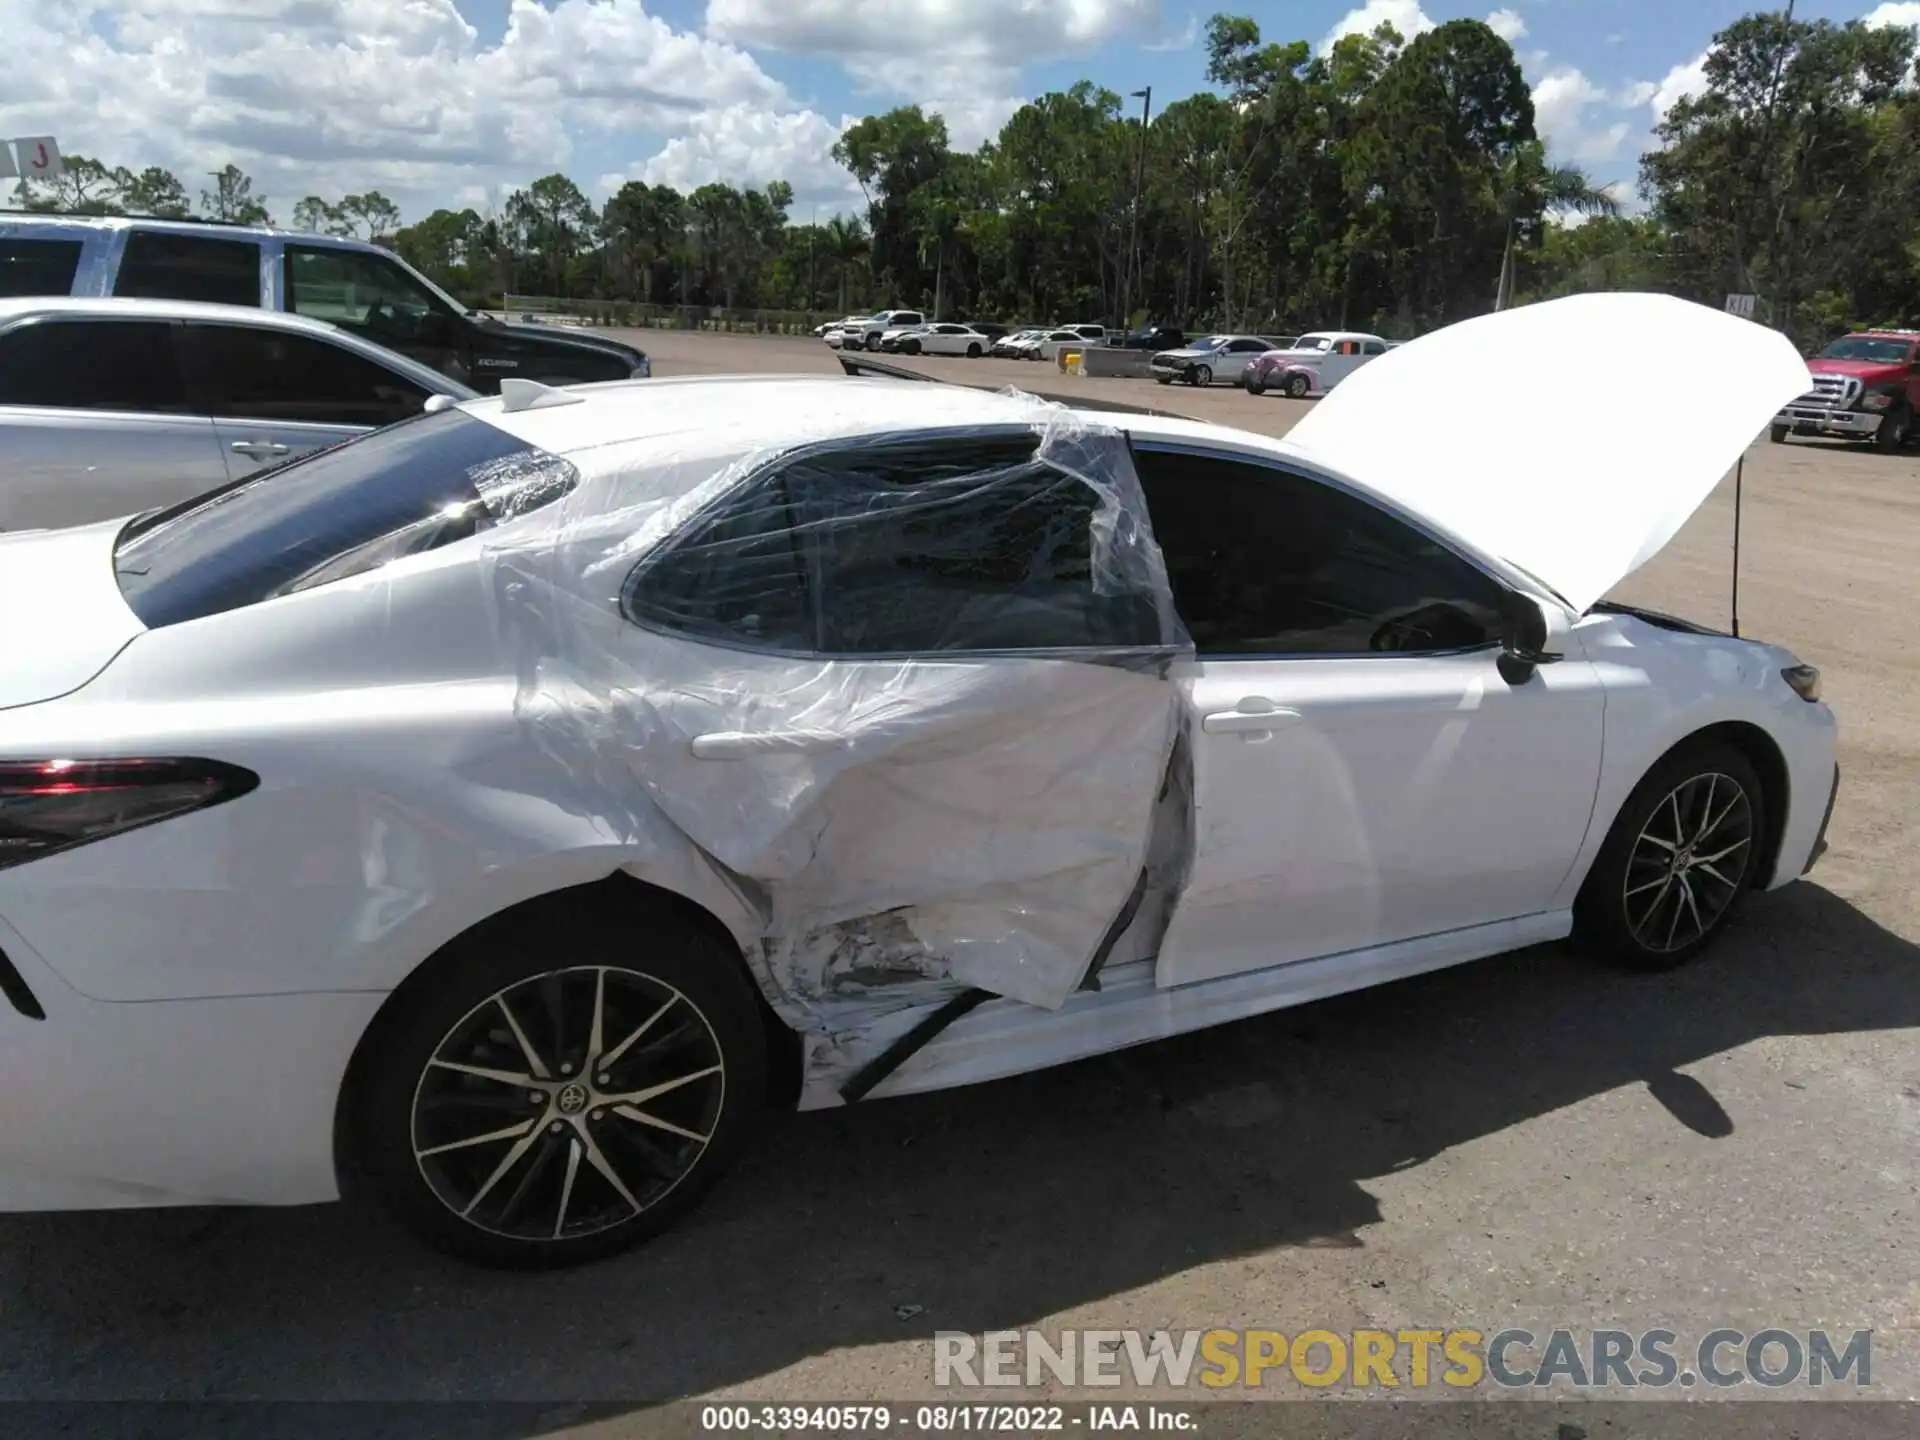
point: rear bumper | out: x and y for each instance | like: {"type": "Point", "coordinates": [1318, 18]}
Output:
{"type": "Point", "coordinates": [1817, 420]}
{"type": "Point", "coordinates": [108, 1105]}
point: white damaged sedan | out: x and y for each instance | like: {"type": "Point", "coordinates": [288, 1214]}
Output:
{"type": "Point", "coordinates": [497, 810]}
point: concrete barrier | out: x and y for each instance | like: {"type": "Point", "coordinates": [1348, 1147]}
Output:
{"type": "Point", "coordinates": [1107, 360]}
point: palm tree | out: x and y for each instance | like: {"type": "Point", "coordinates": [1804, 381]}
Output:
{"type": "Point", "coordinates": [848, 243]}
{"type": "Point", "coordinates": [1531, 186]}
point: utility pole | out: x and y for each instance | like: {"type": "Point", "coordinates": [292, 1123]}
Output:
{"type": "Point", "coordinates": [1131, 271]}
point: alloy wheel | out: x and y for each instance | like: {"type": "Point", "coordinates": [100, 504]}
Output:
{"type": "Point", "coordinates": [1688, 862]}
{"type": "Point", "coordinates": [568, 1103]}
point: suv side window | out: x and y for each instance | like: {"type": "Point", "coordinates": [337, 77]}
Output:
{"type": "Point", "coordinates": [1270, 563]}
{"type": "Point", "coordinates": [38, 267]}
{"type": "Point", "coordinates": [126, 365]}
{"type": "Point", "coordinates": [954, 544]}
{"type": "Point", "coordinates": [161, 265]}
{"type": "Point", "coordinates": [363, 292]}
{"type": "Point", "coordinates": [254, 373]}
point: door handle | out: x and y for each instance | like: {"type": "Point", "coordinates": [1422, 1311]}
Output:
{"type": "Point", "coordinates": [1254, 715]}
{"type": "Point", "coordinates": [740, 744]}
{"type": "Point", "coordinates": [260, 449]}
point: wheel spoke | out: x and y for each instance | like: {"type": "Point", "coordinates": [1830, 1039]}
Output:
{"type": "Point", "coordinates": [566, 1189]}
{"type": "Point", "coordinates": [499, 1077]}
{"type": "Point", "coordinates": [1706, 809]}
{"type": "Point", "coordinates": [612, 1057]}
{"type": "Point", "coordinates": [1653, 907]}
{"type": "Point", "coordinates": [594, 1040]}
{"type": "Point", "coordinates": [1707, 867]}
{"type": "Point", "coordinates": [507, 1162]}
{"type": "Point", "coordinates": [538, 1065]}
{"type": "Point", "coordinates": [1659, 881]}
{"type": "Point", "coordinates": [1717, 821]}
{"type": "Point", "coordinates": [1718, 855]}
{"type": "Point", "coordinates": [609, 1174]}
{"type": "Point", "coordinates": [640, 1097]}
{"type": "Point", "coordinates": [512, 1132]}
{"type": "Point", "coordinates": [1693, 908]}
{"type": "Point", "coordinates": [640, 1117]}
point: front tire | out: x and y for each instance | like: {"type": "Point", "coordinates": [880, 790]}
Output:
{"type": "Point", "coordinates": [1297, 387]}
{"type": "Point", "coordinates": [1200, 376]}
{"type": "Point", "coordinates": [1894, 431]}
{"type": "Point", "coordinates": [873, 342]}
{"type": "Point", "coordinates": [562, 1088]}
{"type": "Point", "coordinates": [1680, 858]}
{"type": "Point", "coordinates": [973, 352]}
{"type": "Point", "coordinates": [1778, 433]}
{"type": "Point", "coordinates": [912, 347]}
{"type": "Point", "coordinates": [1256, 385]}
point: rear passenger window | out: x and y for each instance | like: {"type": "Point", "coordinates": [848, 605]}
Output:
{"type": "Point", "coordinates": [950, 545]}
{"type": "Point", "coordinates": [38, 267]}
{"type": "Point", "coordinates": [159, 265]}
{"type": "Point", "coordinates": [91, 365]}
{"type": "Point", "coordinates": [253, 373]}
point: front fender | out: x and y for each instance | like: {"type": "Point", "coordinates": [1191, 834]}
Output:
{"type": "Point", "coordinates": [1663, 687]}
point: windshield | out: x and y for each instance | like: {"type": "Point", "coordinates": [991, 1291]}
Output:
{"type": "Point", "coordinates": [342, 511]}
{"type": "Point", "coordinates": [1314, 342]}
{"type": "Point", "coordinates": [1861, 347]}
{"type": "Point", "coordinates": [1212, 342]}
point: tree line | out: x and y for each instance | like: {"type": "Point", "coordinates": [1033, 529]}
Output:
{"type": "Point", "coordinates": [1387, 184]}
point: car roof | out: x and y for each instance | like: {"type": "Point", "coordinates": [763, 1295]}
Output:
{"type": "Point", "coordinates": [122, 307]}
{"type": "Point", "coordinates": [17, 221]}
{"type": "Point", "coordinates": [706, 415]}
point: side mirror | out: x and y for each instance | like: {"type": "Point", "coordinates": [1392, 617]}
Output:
{"type": "Point", "coordinates": [1527, 638]}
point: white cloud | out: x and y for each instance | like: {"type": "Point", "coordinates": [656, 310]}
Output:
{"type": "Point", "coordinates": [1507, 24]}
{"type": "Point", "coordinates": [749, 145]}
{"type": "Point", "coordinates": [322, 96]}
{"type": "Point", "coordinates": [1895, 12]}
{"type": "Point", "coordinates": [1683, 82]}
{"type": "Point", "coordinates": [1562, 101]}
{"type": "Point", "coordinates": [1406, 16]}
{"type": "Point", "coordinates": [959, 57]}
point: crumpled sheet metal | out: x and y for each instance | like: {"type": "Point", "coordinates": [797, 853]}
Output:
{"type": "Point", "coordinates": [904, 824]}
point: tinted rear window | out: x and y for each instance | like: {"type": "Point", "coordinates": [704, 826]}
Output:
{"type": "Point", "coordinates": [344, 511]}
{"type": "Point", "coordinates": [38, 267]}
{"type": "Point", "coordinates": [159, 265]}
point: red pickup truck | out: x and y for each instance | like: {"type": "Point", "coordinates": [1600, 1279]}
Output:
{"type": "Point", "coordinates": [1865, 387]}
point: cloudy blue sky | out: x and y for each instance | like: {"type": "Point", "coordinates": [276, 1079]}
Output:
{"type": "Point", "coordinates": [459, 101]}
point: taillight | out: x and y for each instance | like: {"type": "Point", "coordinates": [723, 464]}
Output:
{"type": "Point", "coordinates": [51, 805]}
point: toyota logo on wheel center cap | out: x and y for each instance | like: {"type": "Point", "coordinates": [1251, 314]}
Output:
{"type": "Point", "coordinates": [572, 1099]}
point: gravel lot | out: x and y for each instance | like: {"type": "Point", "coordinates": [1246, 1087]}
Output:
{"type": "Point", "coordinates": [1530, 1140]}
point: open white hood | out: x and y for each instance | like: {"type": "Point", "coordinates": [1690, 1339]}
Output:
{"type": "Point", "coordinates": [1554, 436]}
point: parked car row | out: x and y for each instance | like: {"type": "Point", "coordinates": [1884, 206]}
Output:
{"type": "Point", "coordinates": [1297, 366]}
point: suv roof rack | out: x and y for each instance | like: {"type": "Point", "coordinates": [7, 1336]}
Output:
{"type": "Point", "coordinates": [130, 215]}
{"type": "Point", "coordinates": [860, 365]}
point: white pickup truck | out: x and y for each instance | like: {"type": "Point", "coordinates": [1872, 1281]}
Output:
{"type": "Point", "coordinates": [866, 334]}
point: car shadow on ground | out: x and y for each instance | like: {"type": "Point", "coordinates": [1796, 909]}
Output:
{"type": "Point", "coordinates": [986, 1208]}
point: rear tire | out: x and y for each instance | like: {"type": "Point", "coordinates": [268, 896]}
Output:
{"type": "Point", "coordinates": [1778, 433]}
{"type": "Point", "coordinates": [1680, 859]}
{"type": "Point", "coordinates": [616, 1139]}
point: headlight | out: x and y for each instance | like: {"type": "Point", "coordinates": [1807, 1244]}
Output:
{"type": "Point", "coordinates": [1876, 401]}
{"type": "Point", "coordinates": [1805, 680]}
